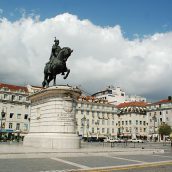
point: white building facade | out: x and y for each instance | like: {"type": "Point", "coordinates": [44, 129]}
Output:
{"type": "Point", "coordinates": [115, 95]}
{"type": "Point", "coordinates": [14, 110]}
{"type": "Point", "coordinates": [159, 113]}
{"type": "Point", "coordinates": [96, 119]}
{"type": "Point", "coordinates": [132, 120]}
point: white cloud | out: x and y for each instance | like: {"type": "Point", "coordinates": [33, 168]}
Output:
{"type": "Point", "coordinates": [101, 55]}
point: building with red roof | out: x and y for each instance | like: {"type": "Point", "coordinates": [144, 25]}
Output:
{"type": "Point", "coordinates": [132, 121]}
{"type": "Point", "coordinates": [14, 110]}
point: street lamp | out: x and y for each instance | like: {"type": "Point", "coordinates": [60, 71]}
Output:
{"type": "Point", "coordinates": [97, 124]}
{"type": "Point", "coordinates": [2, 117]}
{"type": "Point", "coordinates": [83, 124]}
{"type": "Point", "coordinates": [154, 119]}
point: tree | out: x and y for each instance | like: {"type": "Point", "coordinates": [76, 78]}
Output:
{"type": "Point", "coordinates": [165, 129]}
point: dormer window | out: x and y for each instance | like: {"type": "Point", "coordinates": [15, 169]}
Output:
{"type": "Point", "coordinates": [5, 96]}
{"type": "Point", "coordinates": [20, 97]}
{"type": "Point", "coordinates": [13, 97]}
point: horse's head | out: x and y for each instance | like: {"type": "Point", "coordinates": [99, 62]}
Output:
{"type": "Point", "coordinates": [66, 53]}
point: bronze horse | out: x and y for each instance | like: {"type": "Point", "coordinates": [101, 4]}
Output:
{"type": "Point", "coordinates": [57, 66]}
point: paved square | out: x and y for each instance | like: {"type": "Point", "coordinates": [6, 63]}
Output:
{"type": "Point", "coordinates": [32, 165]}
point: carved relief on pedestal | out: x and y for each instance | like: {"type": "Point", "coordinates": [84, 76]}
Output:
{"type": "Point", "coordinates": [68, 106]}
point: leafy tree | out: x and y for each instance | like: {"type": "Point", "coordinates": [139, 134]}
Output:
{"type": "Point", "coordinates": [165, 129]}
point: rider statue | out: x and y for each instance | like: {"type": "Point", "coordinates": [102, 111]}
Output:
{"type": "Point", "coordinates": [55, 50]}
{"type": "Point", "coordinates": [57, 63]}
{"type": "Point", "coordinates": [54, 53]}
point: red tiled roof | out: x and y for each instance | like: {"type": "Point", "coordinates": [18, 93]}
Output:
{"type": "Point", "coordinates": [13, 87]}
{"type": "Point", "coordinates": [161, 102]}
{"type": "Point", "coordinates": [127, 104]}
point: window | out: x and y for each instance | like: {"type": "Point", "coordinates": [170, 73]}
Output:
{"type": "Point", "coordinates": [92, 121]}
{"type": "Point", "coordinates": [136, 122]}
{"type": "Point", "coordinates": [160, 113]}
{"type": "Point", "coordinates": [140, 122]}
{"type": "Point", "coordinates": [20, 97]}
{"type": "Point", "coordinates": [126, 122]}
{"type": "Point", "coordinates": [18, 116]}
{"type": "Point", "coordinates": [112, 122]}
{"type": "Point", "coordinates": [26, 116]}
{"type": "Point", "coordinates": [109, 91]}
{"type": "Point", "coordinates": [103, 122]}
{"type": "Point", "coordinates": [26, 106]}
{"type": "Point", "coordinates": [18, 126]}
{"type": "Point", "coordinates": [92, 130]}
{"type": "Point", "coordinates": [82, 112]}
{"type": "Point", "coordinates": [103, 115]}
{"type": "Point", "coordinates": [3, 114]}
{"type": "Point", "coordinates": [112, 130]}
{"type": "Point", "coordinates": [107, 130]}
{"type": "Point", "coordinates": [92, 114]}
{"type": "Point", "coordinates": [144, 122]}
{"type": "Point", "coordinates": [10, 125]}
{"type": "Point", "coordinates": [87, 112]}
{"type": "Point", "coordinates": [87, 121]}
{"type": "Point", "coordinates": [11, 115]}
{"type": "Point", "coordinates": [122, 122]}
{"type": "Point", "coordinates": [103, 130]}
{"type": "Point", "coordinates": [25, 127]}
{"type": "Point", "coordinates": [167, 112]}
{"type": "Point", "coordinates": [13, 97]}
{"type": "Point", "coordinates": [130, 122]}
{"type": "Point", "coordinates": [5, 96]}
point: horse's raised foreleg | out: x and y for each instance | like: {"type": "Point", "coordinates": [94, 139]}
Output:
{"type": "Point", "coordinates": [68, 71]}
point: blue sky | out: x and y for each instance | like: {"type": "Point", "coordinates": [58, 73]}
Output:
{"type": "Point", "coordinates": [142, 17]}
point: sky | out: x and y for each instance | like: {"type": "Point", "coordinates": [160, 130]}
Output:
{"type": "Point", "coordinates": [126, 43]}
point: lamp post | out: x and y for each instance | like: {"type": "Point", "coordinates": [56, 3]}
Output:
{"type": "Point", "coordinates": [154, 119]}
{"type": "Point", "coordinates": [83, 124]}
{"type": "Point", "coordinates": [2, 117]}
{"type": "Point", "coordinates": [87, 131]}
{"type": "Point", "coordinates": [97, 124]}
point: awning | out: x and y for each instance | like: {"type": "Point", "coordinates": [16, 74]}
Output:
{"type": "Point", "coordinates": [6, 130]}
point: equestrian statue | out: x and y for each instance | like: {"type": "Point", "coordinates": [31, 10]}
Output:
{"type": "Point", "coordinates": [56, 64]}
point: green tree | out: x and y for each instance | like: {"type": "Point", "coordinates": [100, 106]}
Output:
{"type": "Point", "coordinates": [165, 129]}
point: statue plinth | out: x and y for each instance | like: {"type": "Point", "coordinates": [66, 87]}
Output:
{"type": "Point", "coordinates": [53, 122]}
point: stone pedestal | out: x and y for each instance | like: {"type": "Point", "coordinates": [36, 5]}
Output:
{"type": "Point", "coordinates": [53, 122]}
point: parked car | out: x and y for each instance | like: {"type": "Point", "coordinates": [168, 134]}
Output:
{"type": "Point", "coordinates": [110, 140]}
{"type": "Point", "coordinates": [135, 141]}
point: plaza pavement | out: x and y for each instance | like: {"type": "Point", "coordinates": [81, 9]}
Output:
{"type": "Point", "coordinates": [16, 148]}
{"type": "Point", "coordinates": [15, 157]}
